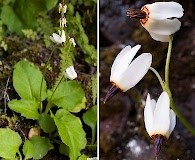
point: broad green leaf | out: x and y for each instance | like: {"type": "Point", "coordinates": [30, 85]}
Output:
{"type": "Point", "coordinates": [68, 95]}
{"type": "Point", "coordinates": [24, 14]}
{"type": "Point", "coordinates": [28, 149]}
{"type": "Point", "coordinates": [27, 108]}
{"type": "Point", "coordinates": [9, 143]}
{"type": "Point", "coordinates": [27, 81]}
{"type": "Point", "coordinates": [71, 132]}
{"type": "Point", "coordinates": [64, 149]}
{"type": "Point", "coordinates": [46, 123]}
{"type": "Point", "coordinates": [41, 146]}
{"type": "Point", "coordinates": [90, 118]}
{"type": "Point", "coordinates": [83, 157]}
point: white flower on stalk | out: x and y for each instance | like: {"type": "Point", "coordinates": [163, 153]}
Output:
{"type": "Point", "coordinates": [159, 19]}
{"type": "Point", "coordinates": [58, 38]}
{"type": "Point", "coordinates": [126, 73]}
{"type": "Point", "coordinates": [159, 119]}
{"type": "Point", "coordinates": [63, 22]}
{"type": "Point", "coordinates": [70, 73]}
{"type": "Point", "coordinates": [71, 40]}
{"type": "Point", "coordinates": [62, 8]}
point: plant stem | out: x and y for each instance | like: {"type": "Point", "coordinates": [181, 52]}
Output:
{"type": "Point", "coordinates": [44, 72]}
{"type": "Point", "coordinates": [168, 61]}
{"type": "Point", "coordinates": [49, 104]}
{"type": "Point", "coordinates": [180, 116]}
{"type": "Point", "coordinates": [159, 78]}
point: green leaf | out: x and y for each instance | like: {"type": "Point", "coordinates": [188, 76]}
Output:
{"type": "Point", "coordinates": [24, 13]}
{"type": "Point", "coordinates": [9, 143]}
{"type": "Point", "coordinates": [27, 81]}
{"type": "Point", "coordinates": [64, 149]}
{"type": "Point", "coordinates": [41, 146]}
{"type": "Point", "coordinates": [71, 132]}
{"type": "Point", "coordinates": [46, 123]}
{"type": "Point", "coordinates": [68, 95]}
{"type": "Point", "coordinates": [28, 149]}
{"type": "Point", "coordinates": [27, 108]}
{"type": "Point", "coordinates": [83, 157]}
{"type": "Point", "coordinates": [90, 118]}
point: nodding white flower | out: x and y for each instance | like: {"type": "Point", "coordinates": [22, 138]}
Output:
{"type": "Point", "coordinates": [70, 73]}
{"type": "Point", "coordinates": [126, 73]}
{"type": "Point", "coordinates": [159, 19]}
{"type": "Point", "coordinates": [72, 41]}
{"type": "Point", "coordinates": [159, 119]}
{"type": "Point", "coordinates": [63, 22]}
{"type": "Point", "coordinates": [62, 8]}
{"type": "Point", "coordinates": [58, 38]}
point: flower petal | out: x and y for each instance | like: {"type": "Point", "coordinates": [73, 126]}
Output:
{"type": "Point", "coordinates": [162, 115]}
{"type": "Point", "coordinates": [63, 36]}
{"type": "Point", "coordinates": [149, 115]}
{"type": "Point", "coordinates": [135, 72]}
{"type": "Point", "coordinates": [173, 121]}
{"type": "Point", "coordinates": [57, 38]}
{"type": "Point", "coordinates": [163, 10]}
{"type": "Point", "coordinates": [161, 38]}
{"type": "Point", "coordinates": [122, 62]}
{"type": "Point", "coordinates": [70, 73]}
{"type": "Point", "coordinates": [162, 27]}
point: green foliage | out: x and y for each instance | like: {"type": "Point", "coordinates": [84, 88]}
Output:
{"type": "Point", "coordinates": [71, 132]}
{"type": "Point", "coordinates": [46, 123]}
{"type": "Point", "coordinates": [23, 14]}
{"type": "Point", "coordinates": [26, 107]}
{"type": "Point", "coordinates": [30, 34]}
{"type": "Point", "coordinates": [9, 143]}
{"type": "Point", "coordinates": [65, 94]}
{"type": "Point", "coordinates": [37, 147]}
{"type": "Point", "coordinates": [81, 37]}
{"type": "Point", "coordinates": [26, 86]}
{"type": "Point", "coordinates": [90, 118]}
{"type": "Point", "coordinates": [83, 157]}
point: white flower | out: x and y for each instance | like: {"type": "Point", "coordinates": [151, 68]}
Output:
{"type": "Point", "coordinates": [126, 73]}
{"type": "Point", "coordinates": [62, 8]}
{"type": "Point", "coordinates": [58, 38]}
{"type": "Point", "coordinates": [160, 19]}
{"type": "Point", "coordinates": [70, 73]}
{"type": "Point", "coordinates": [72, 41]}
{"type": "Point", "coordinates": [159, 119]}
{"type": "Point", "coordinates": [63, 22]}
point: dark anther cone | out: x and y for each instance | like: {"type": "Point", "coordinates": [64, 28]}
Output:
{"type": "Point", "coordinates": [113, 90]}
{"type": "Point", "coordinates": [158, 141]}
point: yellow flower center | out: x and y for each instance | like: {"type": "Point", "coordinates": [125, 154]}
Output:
{"type": "Point", "coordinates": [145, 9]}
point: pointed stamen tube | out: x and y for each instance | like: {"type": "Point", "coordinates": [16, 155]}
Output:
{"type": "Point", "coordinates": [158, 141]}
{"type": "Point", "coordinates": [113, 90]}
{"type": "Point", "coordinates": [136, 13]}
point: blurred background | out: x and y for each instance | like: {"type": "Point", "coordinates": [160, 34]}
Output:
{"type": "Point", "coordinates": [122, 131]}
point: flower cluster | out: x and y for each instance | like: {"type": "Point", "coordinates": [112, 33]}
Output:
{"type": "Point", "coordinates": [60, 38]}
{"type": "Point", "coordinates": [160, 20]}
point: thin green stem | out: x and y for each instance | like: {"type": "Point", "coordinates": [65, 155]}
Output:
{"type": "Point", "coordinates": [168, 61]}
{"type": "Point", "coordinates": [49, 105]}
{"type": "Point", "coordinates": [19, 155]}
{"type": "Point", "coordinates": [159, 78]}
{"type": "Point", "coordinates": [180, 116]}
{"type": "Point", "coordinates": [44, 72]}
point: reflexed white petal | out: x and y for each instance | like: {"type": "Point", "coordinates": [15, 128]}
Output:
{"type": "Point", "coordinates": [53, 40]}
{"type": "Point", "coordinates": [122, 62]}
{"type": "Point", "coordinates": [135, 72]}
{"type": "Point", "coordinates": [173, 121]}
{"type": "Point", "coordinates": [162, 115]}
{"type": "Point", "coordinates": [70, 73]}
{"type": "Point", "coordinates": [162, 27]}
{"type": "Point", "coordinates": [163, 10]}
{"type": "Point", "coordinates": [153, 104]}
{"type": "Point", "coordinates": [63, 36]}
{"type": "Point", "coordinates": [149, 115]}
{"type": "Point", "coordinates": [57, 38]}
{"type": "Point", "coordinates": [161, 38]}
